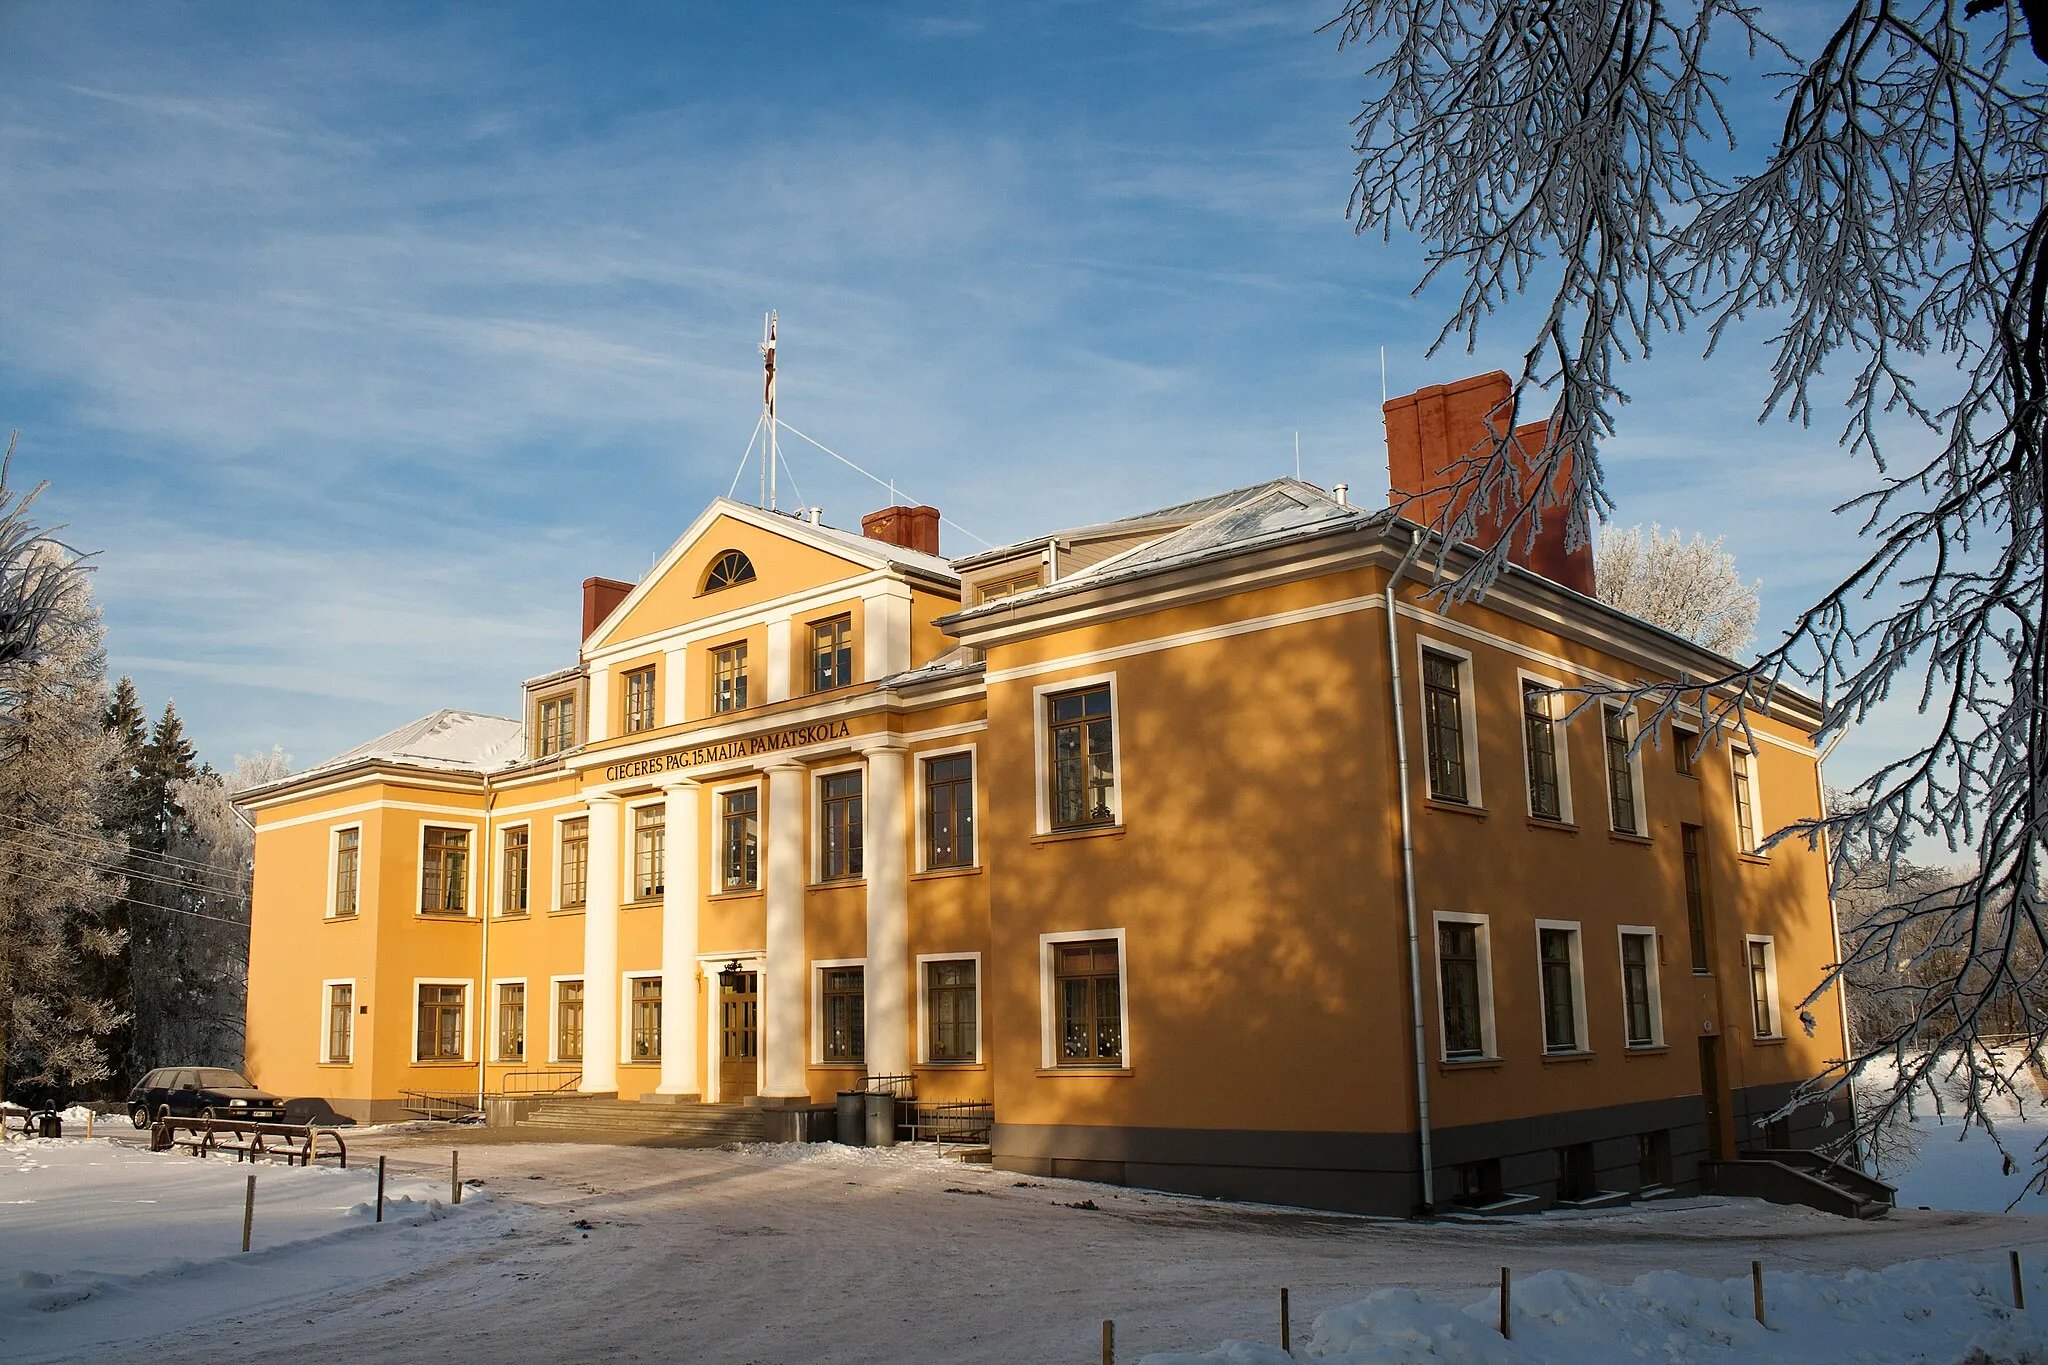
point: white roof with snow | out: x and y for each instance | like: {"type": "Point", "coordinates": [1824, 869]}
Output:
{"type": "Point", "coordinates": [454, 741]}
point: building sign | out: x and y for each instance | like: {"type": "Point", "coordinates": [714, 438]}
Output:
{"type": "Point", "coordinates": [729, 750]}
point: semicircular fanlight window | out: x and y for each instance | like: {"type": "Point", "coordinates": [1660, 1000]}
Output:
{"type": "Point", "coordinates": [729, 570]}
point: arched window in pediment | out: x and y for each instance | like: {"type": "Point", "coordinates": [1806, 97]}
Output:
{"type": "Point", "coordinates": [729, 570]}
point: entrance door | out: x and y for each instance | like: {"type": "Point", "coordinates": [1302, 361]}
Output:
{"type": "Point", "coordinates": [1714, 1099]}
{"type": "Point", "coordinates": [739, 1035]}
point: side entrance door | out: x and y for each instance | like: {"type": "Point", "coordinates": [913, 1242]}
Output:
{"type": "Point", "coordinates": [739, 1035]}
{"type": "Point", "coordinates": [1714, 1097]}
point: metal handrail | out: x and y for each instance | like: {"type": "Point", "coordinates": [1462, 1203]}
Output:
{"type": "Point", "coordinates": [535, 1082]}
{"type": "Point", "coordinates": [440, 1104]}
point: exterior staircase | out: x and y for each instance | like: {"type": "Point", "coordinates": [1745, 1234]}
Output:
{"type": "Point", "coordinates": [1785, 1176]}
{"type": "Point", "coordinates": [631, 1123]}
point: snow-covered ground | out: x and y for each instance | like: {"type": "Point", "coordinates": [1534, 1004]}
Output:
{"type": "Point", "coordinates": [1926, 1312]}
{"type": "Point", "coordinates": [95, 1232]}
{"type": "Point", "coordinates": [823, 1253]}
{"type": "Point", "coordinates": [1938, 1163]}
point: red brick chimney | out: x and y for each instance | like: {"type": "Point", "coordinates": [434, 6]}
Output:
{"type": "Point", "coordinates": [1431, 430]}
{"type": "Point", "coordinates": [913, 528]}
{"type": "Point", "coordinates": [601, 597]}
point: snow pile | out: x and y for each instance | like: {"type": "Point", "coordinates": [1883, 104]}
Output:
{"type": "Point", "coordinates": [1923, 1311]}
{"type": "Point", "coordinates": [83, 1219]}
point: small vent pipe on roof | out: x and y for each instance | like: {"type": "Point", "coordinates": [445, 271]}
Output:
{"type": "Point", "coordinates": [1342, 492]}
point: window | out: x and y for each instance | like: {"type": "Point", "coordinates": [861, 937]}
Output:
{"type": "Point", "coordinates": [1745, 802]}
{"type": "Point", "coordinates": [729, 679]}
{"type": "Point", "coordinates": [1763, 986]}
{"type": "Point", "coordinates": [646, 1032]}
{"type": "Point", "coordinates": [1653, 1159]}
{"type": "Point", "coordinates": [1621, 770]}
{"type": "Point", "coordinates": [950, 1010]}
{"type": "Point", "coordinates": [639, 700]}
{"type": "Point", "coordinates": [440, 1037]}
{"type": "Point", "coordinates": [1088, 995]}
{"type": "Point", "coordinates": [650, 834]}
{"type": "Point", "coordinates": [1083, 759]}
{"type": "Point", "coordinates": [729, 570]}
{"type": "Point", "coordinates": [832, 654]}
{"type": "Point", "coordinates": [568, 1021]}
{"type": "Point", "coordinates": [840, 826]}
{"type": "Point", "coordinates": [557, 725]}
{"type": "Point", "coordinates": [1443, 726]}
{"type": "Point", "coordinates": [348, 870]}
{"type": "Point", "coordinates": [1576, 1173]}
{"type": "Point", "coordinates": [1689, 837]}
{"type": "Point", "coordinates": [843, 1014]}
{"type": "Point", "coordinates": [575, 861]}
{"type": "Point", "coordinates": [1558, 953]}
{"type": "Point", "coordinates": [1539, 738]}
{"type": "Point", "coordinates": [1459, 972]}
{"type": "Point", "coordinates": [1640, 1006]}
{"type": "Point", "coordinates": [341, 1021]}
{"type": "Point", "coordinates": [1007, 587]}
{"type": "Point", "coordinates": [949, 811]}
{"type": "Point", "coordinates": [444, 871]}
{"type": "Point", "coordinates": [512, 1021]}
{"type": "Point", "coordinates": [1684, 744]}
{"type": "Point", "coordinates": [1476, 1184]}
{"type": "Point", "coordinates": [518, 860]}
{"type": "Point", "coordinates": [739, 839]}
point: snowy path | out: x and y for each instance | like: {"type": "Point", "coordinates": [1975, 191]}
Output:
{"type": "Point", "coordinates": [829, 1254]}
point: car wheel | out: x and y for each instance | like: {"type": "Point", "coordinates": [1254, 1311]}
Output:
{"type": "Point", "coordinates": [207, 1113]}
{"type": "Point", "coordinates": [139, 1116]}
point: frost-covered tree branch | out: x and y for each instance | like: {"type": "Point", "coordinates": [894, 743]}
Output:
{"type": "Point", "coordinates": [1896, 230]}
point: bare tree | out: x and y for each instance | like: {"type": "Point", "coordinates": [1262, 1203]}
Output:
{"type": "Point", "coordinates": [1689, 587]}
{"type": "Point", "coordinates": [1897, 223]}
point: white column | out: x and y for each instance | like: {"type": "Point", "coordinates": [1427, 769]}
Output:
{"type": "Point", "coordinates": [778, 659]}
{"type": "Point", "coordinates": [888, 972]}
{"type": "Point", "coordinates": [885, 631]}
{"type": "Point", "coordinates": [601, 950]}
{"type": "Point", "coordinates": [682, 877]}
{"type": "Point", "coordinates": [787, 967]}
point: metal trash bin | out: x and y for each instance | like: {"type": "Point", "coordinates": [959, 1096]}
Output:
{"type": "Point", "coordinates": [852, 1118]}
{"type": "Point", "coordinates": [881, 1119]}
{"type": "Point", "coordinates": [50, 1124]}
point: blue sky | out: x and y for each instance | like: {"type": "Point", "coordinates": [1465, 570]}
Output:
{"type": "Point", "coordinates": [352, 338]}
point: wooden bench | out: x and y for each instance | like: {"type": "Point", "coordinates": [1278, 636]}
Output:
{"type": "Point", "coordinates": [294, 1144]}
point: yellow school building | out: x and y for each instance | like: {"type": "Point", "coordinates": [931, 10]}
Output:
{"type": "Point", "coordinates": [1106, 829]}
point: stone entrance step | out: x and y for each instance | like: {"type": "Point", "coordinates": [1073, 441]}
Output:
{"type": "Point", "coordinates": [675, 1125]}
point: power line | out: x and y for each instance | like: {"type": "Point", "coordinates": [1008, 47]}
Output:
{"type": "Point", "coordinates": [80, 862]}
{"type": "Point", "coordinates": [42, 825]}
{"type": "Point", "coordinates": [146, 905]}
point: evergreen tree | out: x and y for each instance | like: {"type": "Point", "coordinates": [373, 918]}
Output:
{"type": "Point", "coordinates": [160, 976]}
{"type": "Point", "coordinates": [123, 814]}
{"type": "Point", "coordinates": [59, 871]}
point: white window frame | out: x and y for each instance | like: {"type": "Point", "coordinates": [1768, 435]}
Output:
{"type": "Point", "coordinates": [1751, 840]}
{"type": "Point", "coordinates": [1041, 756]}
{"type": "Point", "coordinates": [817, 778]}
{"type": "Point", "coordinates": [1468, 716]}
{"type": "Point", "coordinates": [922, 803]}
{"type": "Point", "coordinates": [555, 871]}
{"type": "Point", "coordinates": [708, 967]}
{"type": "Point", "coordinates": [629, 884]}
{"type": "Point", "coordinates": [819, 966]}
{"type": "Point", "coordinates": [1655, 974]}
{"type": "Point", "coordinates": [419, 866]}
{"type": "Point", "coordinates": [555, 1057]}
{"type": "Point", "coordinates": [498, 983]}
{"type": "Point", "coordinates": [760, 790]}
{"type": "Point", "coordinates": [1583, 1043]}
{"type": "Point", "coordinates": [1048, 1000]}
{"type": "Point", "coordinates": [326, 1013]}
{"type": "Point", "coordinates": [924, 1028]}
{"type": "Point", "coordinates": [1489, 1043]}
{"type": "Point", "coordinates": [468, 1057]}
{"type": "Point", "coordinates": [498, 871]}
{"type": "Point", "coordinates": [1631, 724]}
{"type": "Point", "coordinates": [1770, 943]}
{"type": "Point", "coordinates": [1561, 730]}
{"type": "Point", "coordinates": [626, 980]}
{"type": "Point", "coordinates": [334, 833]}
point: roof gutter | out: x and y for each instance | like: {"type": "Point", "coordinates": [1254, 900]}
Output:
{"type": "Point", "coordinates": [1421, 1040]}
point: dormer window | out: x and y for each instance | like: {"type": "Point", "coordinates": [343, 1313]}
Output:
{"type": "Point", "coordinates": [729, 570]}
{"type": "Point", "coordinates": [557, 725]}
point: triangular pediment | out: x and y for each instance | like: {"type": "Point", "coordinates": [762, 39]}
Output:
{"type": "Point", "coordinates": [788, 556]}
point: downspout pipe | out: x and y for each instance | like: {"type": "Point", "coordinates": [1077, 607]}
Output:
{"type": "Point", "coordinates": [1421, 1039]}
